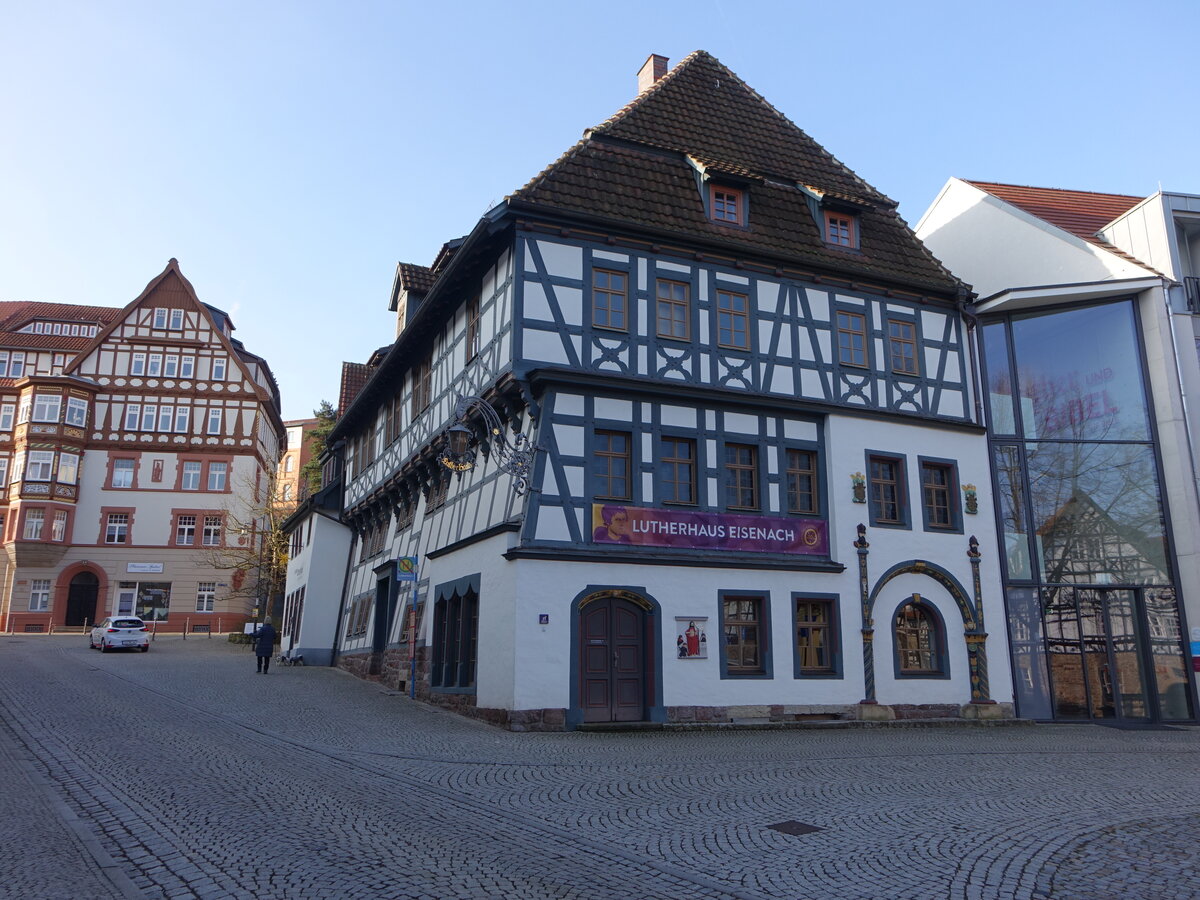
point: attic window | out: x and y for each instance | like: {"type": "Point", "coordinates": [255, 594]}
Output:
{"type": "Point", "coordinates": [726, 205]}
{"type": "Point", "coordinates": [841, 229]}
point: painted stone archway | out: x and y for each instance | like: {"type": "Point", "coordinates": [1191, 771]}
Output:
{"type": "Point", "coordinates": [970, 608]}
{"type": "Point", "coordinates": [79, 593]}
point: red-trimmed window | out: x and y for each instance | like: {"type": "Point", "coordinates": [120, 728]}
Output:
{"type": "Point", "coordinates": [841, 229]}
{"type": "Point", "coordinates": [726, 205]}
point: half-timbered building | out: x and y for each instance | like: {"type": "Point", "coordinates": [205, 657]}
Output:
{"type": "Point", "coordinates": [135, 449]}
{"type": "Point", "coordinates": [757, 458]}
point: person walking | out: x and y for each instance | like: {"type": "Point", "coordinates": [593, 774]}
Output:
{"type": "Point", "coordinates": [264, 645]}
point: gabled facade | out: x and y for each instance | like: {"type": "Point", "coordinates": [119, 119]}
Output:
{"type": "Point", "coordinates": [754, 493]}
{"type": "Point", "coordinates": [135, 453]}
{"type": "Point", "coordinates": [1089, 340]}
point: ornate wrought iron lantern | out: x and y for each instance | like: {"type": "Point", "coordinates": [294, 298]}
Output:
{"type": "Point", "coordinates": [514, 456]}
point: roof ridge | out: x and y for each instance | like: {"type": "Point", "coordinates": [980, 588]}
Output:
{"type": "Point", "coordinates": [1034, 187]}
{"type": "Point", "coordinates": [697, 55]}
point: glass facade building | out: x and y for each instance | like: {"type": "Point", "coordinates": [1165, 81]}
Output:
{"type": "Point", "coordinates": [1093, 607]}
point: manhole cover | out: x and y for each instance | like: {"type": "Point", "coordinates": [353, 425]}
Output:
{"type": "Point", "coordinates": [794, 827]}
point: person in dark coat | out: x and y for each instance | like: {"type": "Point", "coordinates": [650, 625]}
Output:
{"type": "Point", "coordinates": [264, 645]}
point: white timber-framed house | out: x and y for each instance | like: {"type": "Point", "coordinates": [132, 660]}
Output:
{"type": "Point", "coordinates": [760, 490]}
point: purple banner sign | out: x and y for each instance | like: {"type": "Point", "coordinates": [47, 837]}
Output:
{"type": "Point", "coordinates": [658, 527]}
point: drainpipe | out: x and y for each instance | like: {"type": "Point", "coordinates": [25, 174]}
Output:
{"type": "Point", "coordinates": [972, 339]}
{"type": "Point", "coordinates": [1183, 396]}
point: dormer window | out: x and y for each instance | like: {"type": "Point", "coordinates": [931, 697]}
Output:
{"type": "Point", "coordinates": [841, 229]}
{"type": "Point", "coordinates": [726, 205]}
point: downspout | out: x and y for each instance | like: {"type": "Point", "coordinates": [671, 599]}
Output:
{"type": "Point", "coordinates": [972, 338]}
{"type": "Point", "coordinates": [1183, 397]}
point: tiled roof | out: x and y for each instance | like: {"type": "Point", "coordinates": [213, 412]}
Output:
{"type": "Point", "coordinates": [16, 313]}
{"type": "Point", "coordinates": [415, 278]}
{"type": "Point", "coordinates": [1082, 213]}
{"type": "Point", "coordinates": [633, 170]}
{"type": "Point", "coordinates": [354, 378]}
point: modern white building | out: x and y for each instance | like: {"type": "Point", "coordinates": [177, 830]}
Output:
{"type": "Point", "coordinates": [757, 477]}
{"type": "Point", "coordinates": [1090, 332]}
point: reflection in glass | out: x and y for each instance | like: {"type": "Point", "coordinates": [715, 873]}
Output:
{"type": "Point", "coordinates": [1064, 652]}
{"type": "Point", "coordinates": [1123, 636]}
{"type": "Point", "coordinates": [1079, 375]}
{"type": "Point", "coordinates": [999, 380]}
{"type": "Point", "coordinates": [1030, 677]}
{"type": "Point", "coordinates": [1166, 653]}
{"type": "Point", "coordinates": [1006, 463]}
{"type": "Point", "coordinates": [1096, 513]}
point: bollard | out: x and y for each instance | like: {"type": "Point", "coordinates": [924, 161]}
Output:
{"type": "Point", "coordinates": [187, 624]}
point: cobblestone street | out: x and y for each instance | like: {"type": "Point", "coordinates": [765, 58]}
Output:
{"type": "Point", "coordinates": [182, 773]}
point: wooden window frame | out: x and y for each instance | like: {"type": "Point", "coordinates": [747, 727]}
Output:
{"type": "Point", "coordinates": [422, 385]}
{"type": "Point", "coordinates": [720, 198]}
{"type": "Point", "coordinates": [611, 294]}
{"type": "Point", "coordinates": [828, 628]}
{"type": "Point", "coordinates": [949, 492]}
{"type": "Point", "coordinates": [603, 451]}
{"type": "Point", "coordinates": [672, 303]}
{"type": "Point", "coordinates": [792, 497]}
{"type": "Point", "coordinates": [472, 336]}
{"type": "Point", "coordinates": [841, 229]}
{"type": "Point", "coordinates": [28, 518]}
{"type": "Point", "coordinates": [759, 621]}
{"type": "Point", "coordinates": [909, 365]}
{"type": "Point", "coordinates": [847, 330]}
{"type": "Point", "coordinates": [733, 315]}
{"type": "Point", "coordinates": [877, 490]}
{"type": "Point", "coordinates": [179, 526]}
{"type": "Point", "coordinates": [111, 482]}
{"type": "Point", "coordinates": [675, 463]}
{"type": "Point", "coordinates": [741, 475]}
{"type": "Point", "coordinates": [106, 513]}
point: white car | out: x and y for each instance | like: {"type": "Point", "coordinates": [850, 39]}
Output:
{"type": "Point", "coordinates": [120, 633]}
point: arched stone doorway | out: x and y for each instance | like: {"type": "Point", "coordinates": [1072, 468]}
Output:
{"type": "Point", "coordinates": [616, 669]}
{"type": "Point", "coordinates": [82, 593]}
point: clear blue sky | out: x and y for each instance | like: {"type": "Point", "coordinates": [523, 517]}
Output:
{"type": "Point", "coordinates": [290, 154]}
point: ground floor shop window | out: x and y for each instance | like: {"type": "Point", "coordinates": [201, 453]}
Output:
{"type": "Point", "coordinates": [150, 599]}
{"type": "Point", "coordinates": [744, 628]}
{"type": "Point", "coordinates": [817, 640]}
{"type": "Point", "coordinates": [455, 633]}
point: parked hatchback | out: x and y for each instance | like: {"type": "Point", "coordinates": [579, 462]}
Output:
{"type": "Point", "coordinates": [120, 633]}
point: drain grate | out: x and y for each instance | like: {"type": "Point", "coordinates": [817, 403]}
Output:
{"type": "Point", "coordinates": [793, 827]}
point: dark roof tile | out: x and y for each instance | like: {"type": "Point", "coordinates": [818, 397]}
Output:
{"type": "Point", "coordinates": [634, 169]}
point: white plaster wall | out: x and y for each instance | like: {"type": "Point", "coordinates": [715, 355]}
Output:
{"type": "Point", "coordinates": [995, 246]}
{"type": "Point", "coordinates": [320, 568]}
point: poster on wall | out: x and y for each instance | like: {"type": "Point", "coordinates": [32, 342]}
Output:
{"type": "Point", "coordinates": [691, 642]}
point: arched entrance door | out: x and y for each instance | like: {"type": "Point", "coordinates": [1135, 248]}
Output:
{"type": "Point", "coordinates": [612, 660]}
{"type": "Point", "coordinates": [81, 599]}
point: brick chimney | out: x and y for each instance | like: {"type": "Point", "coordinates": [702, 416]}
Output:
{"type": "Point", "coordinates": [654, 68]}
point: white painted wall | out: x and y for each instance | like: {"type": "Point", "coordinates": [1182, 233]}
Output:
{"type": "Point", "coordinates": [995, 246]}
{"type": "Point", "coordinates": [320, 568]}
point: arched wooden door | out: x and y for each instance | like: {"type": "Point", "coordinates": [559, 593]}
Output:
{"type": "Point", "coordinates": [81, 599]}
{"type": "Point", "coordinates": [612, 660]}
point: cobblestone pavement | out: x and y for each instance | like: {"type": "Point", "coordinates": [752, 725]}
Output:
{"type": "Point", "coordinates": [308, 783]}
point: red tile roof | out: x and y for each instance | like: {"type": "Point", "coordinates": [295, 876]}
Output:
{"type": "Point", "coordinates": [415, 278]}
{"type": "Point", "coordinates": [354, 378]}
{"type": "Point", "coordinates": [633, 170]}
{"type": "Point", "coordinates": [1082, 213]}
